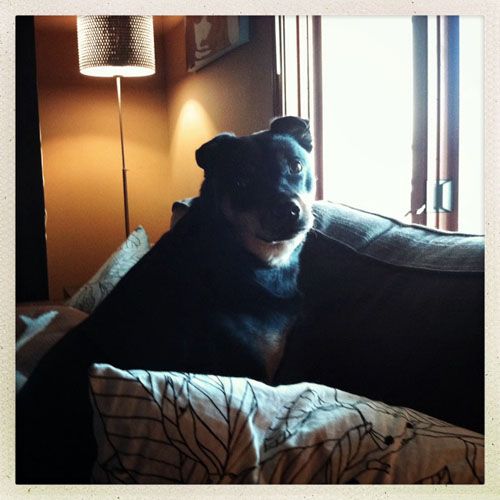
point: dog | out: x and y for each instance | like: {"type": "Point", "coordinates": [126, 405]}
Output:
{"type": "Point", "coordinates": [217, 294]}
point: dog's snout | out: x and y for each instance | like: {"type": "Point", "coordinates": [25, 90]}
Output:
{"type": "Point", "coordinates": [283, 220]}
{"type": "Point", "coordinates": [287, 211]}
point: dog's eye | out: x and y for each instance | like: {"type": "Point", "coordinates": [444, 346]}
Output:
{"type": "Point", "coordinates": [295, 167]}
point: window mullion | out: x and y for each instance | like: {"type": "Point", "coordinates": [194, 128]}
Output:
{"type": "Point", "coordinates": [420, 119]}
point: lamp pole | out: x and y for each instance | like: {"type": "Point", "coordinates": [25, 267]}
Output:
{"type": "Point", "coordinates": [124, 168]}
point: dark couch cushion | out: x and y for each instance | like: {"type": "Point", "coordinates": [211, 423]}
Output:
{"type": "Point", "coordinates": [394, 312]}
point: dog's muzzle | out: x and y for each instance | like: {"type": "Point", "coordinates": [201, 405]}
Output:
{"type": "Point", "coordinates": [284, 220]}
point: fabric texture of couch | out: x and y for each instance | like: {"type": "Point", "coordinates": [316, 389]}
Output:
{"type": "Point", "coordinates": [399, 311]}
{"type": "Point", "coordinates": [395, 312]}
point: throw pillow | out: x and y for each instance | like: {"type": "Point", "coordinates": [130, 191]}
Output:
{"type": "Point", "coordinates": [90, 295]}
{"type": "Point", "coordinates": [38, 328]}
{"type": "Point", "coordinates": [167, 427]}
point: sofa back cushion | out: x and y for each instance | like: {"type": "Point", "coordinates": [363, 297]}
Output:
{"type": "Point", "coordinates": [394, 312]}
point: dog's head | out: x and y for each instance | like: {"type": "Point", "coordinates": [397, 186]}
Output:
{"type": "Point", "coordinates": [263, 186]}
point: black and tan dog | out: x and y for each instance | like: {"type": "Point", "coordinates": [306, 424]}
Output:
{"type": "Point", "coordinates": [217, 294]}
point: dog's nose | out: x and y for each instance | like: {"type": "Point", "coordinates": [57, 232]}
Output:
{"type": "Point", "coordinates": [287, 211]}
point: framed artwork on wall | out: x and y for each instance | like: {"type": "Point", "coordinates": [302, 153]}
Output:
{"type": "Point", "coordinates": [210, 37]}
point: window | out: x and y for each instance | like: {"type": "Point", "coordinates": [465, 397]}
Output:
{"type": "Point", "coordinates": [471, 190]}
{"type": "Point", "coordinates": [367, 112]}
{"type": "Point", "coordinates": [396, 108]}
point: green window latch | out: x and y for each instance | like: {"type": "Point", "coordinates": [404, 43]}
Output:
{"type": "Point", "coordinates": [440, 195]}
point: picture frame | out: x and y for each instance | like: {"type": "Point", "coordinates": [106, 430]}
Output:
{"type": "Point", "coordinates": [210, 37]}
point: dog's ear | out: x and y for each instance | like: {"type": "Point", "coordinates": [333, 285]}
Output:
{"type": "Point", "coordinates": [297, 127]}
{"type": "Point", "coordinates": [210, 153]}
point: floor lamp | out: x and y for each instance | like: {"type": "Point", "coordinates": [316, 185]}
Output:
{"type": "Point", "coordinates": [116, 46]}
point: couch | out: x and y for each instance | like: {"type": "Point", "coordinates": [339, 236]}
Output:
{"type": "Point", "coordinates": [398, 311]}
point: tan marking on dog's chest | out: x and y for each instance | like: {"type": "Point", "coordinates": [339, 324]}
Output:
{"type": "Point", "coordinates": [272, 345]}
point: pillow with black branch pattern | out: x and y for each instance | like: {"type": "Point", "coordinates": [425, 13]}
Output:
{"type": "Point", "coordinates": [90, 295]}
{"type": "Point", "coordinates": [168, 427]}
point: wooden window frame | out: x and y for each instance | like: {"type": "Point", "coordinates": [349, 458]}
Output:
{"type": "Point", "coordinates": [298, 78]}
{"type": "Point", "coordinates": [434, 195]}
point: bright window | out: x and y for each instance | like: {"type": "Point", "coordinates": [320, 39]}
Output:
{"type": "Point", "coordinates": [367, 112]}
{"type": "Point", "coordinates": [396, 106]}
{"type": "Point", "coordinates": [471, 185]}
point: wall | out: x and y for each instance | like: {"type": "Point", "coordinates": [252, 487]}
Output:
{"type": "Point", "coordinates": [233, 93]}
{"type": "Point", "coordinates": [81, 155]}
{"type": "Point", "coordinates": [166, 118]}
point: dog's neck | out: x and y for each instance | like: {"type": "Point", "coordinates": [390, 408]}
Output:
{"type": "Point", "coordinates": [235, 263]}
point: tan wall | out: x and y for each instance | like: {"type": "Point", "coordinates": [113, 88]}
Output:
{"type": "Point", "coordinates": [234, 93]}
{"type": "Point", "coordinates": [166, 117]}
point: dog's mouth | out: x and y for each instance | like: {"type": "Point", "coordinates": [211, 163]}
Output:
{"type": "Point", "coordinates": [284, 221]}
{"type": "Point", "coordinates": [270, 236]}
{"type": "Point", "coordinates": [283, 237]}
{"type": "Point", "coordinates": [271, 242]}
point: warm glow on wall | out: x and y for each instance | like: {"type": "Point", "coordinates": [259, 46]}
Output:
{"type": "Point", "coordinates": [192, 128]}
{"type": "Point", "coordinates": [194, 115]}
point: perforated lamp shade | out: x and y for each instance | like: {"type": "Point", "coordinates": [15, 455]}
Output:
{"type": "Point", "coordinates": [111, 46]}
